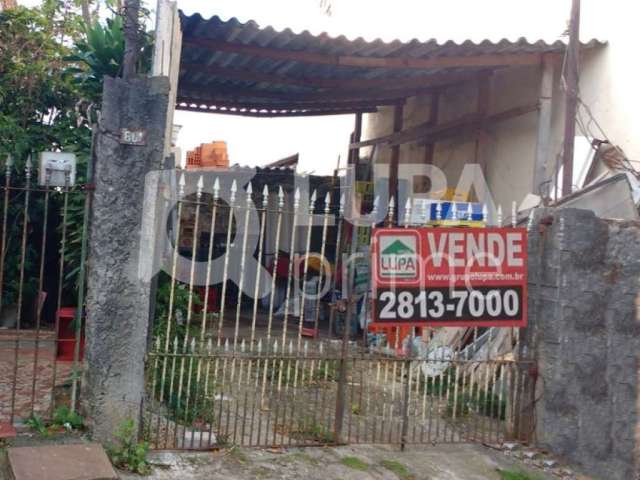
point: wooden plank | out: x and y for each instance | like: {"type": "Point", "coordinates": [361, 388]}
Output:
{"type": "Point", "coordinates": [398, 113]}
{"type": "Point", "coordinates": [426, 132]}
{"type": "Point", "coordinates": [245, 74]}
{"type": "Point", "coordinates": [493, 60]}
{"type": "Point", "coordinates": [356, 135]}
{"type": "Point", "coordinates": [434, 109]}
{"type": "Point", "coordinates": [479, 124]}
{"type": "Point", "coordinates": [390, 97]}
{"type": "Point", "coordinates": [230, 103]}
{"type": "Point", "coordinates": [269, 114]}
{"type": "Point", "coordinates": [482, 107]}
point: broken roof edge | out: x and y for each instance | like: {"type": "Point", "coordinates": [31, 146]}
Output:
{"type": "Point", "coordinates": [236, 22]}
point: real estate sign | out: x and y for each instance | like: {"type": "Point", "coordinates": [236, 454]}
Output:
{"type": "Point", "coordinates": [450, 276]}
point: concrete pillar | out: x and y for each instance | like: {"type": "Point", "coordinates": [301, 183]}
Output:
{"type": "Point", "coordinates": [585, 336]}
{"type": "Point", "coordinates": [118, 299]}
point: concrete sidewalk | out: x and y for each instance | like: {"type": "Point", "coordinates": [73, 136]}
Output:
{"type": "Point", "coordinates": [442, 462]}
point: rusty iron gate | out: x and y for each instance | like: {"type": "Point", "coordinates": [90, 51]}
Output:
{"type": "Point", "coordinates": [42, 263]}
{"type": "Point", "coordinates": [232, 362]}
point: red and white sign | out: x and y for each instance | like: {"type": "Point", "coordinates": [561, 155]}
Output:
{"type": "Point", "coordinates": [450, 276]}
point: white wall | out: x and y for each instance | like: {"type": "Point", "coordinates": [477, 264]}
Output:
{"type": "Point", "coordinates": [609, 77]}
{"type": "Point", "coordinates": [511, 144]}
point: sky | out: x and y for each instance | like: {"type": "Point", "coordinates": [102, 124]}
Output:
{"type": "Point", "coordinates": [320, 140]}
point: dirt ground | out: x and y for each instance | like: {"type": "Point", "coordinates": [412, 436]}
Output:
{"type": "Point", "coordinates": [442, 462]}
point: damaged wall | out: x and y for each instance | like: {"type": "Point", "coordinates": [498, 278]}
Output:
{"type": "Point", "coordinates": [584, 275]}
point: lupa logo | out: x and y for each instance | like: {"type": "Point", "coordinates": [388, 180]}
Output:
{"type": "Point", "coordinates": [398, 256]}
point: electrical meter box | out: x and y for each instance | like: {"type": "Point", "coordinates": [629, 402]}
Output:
{"type": "Point", "coordinates": [58, 165]}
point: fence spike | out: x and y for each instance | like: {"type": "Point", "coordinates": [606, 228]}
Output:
{"type": "Point", "coordinates": [341, 204]}
{"type": "Point", "coordinates": [469, 212]}
{"type": "Point", "coordinates": [485, 213]}
{"type": "Point", "coordinates": [8, 164]}
{"type": "Point", "coordinates": [199, 187]}
{"type": "Point", "coordinates": [181, 184]}
{"type": "Point", "coordinates": [209, 346]}
{"type": "Point", "coordinates": [374, 210]}
{"type": "Point", "coordinates": [407, 212]}
{"type": "Point", "coordinates": [499, 218]}
{"type": "Point", "coordinates": [438, 211]}
{"type": "Point", "coordinates": [280, 198]}
{"type": "Point", "coordinates": [216, 189]}
{"type": "Point", "coordinates": [233, 190]}
{"type": "Point", "coordinates": [454, 211]}
{"type": "Point", "coordinates": [327, 202]}
{"type": "Point", "coordinates": [306, 347]}
{"type": "Point", "coordinates": [243, 346]}
{"type": "Point", "coordinates": [27, 167]}
{"type": "Point", "coordinates": [290, 346]}
{"type": "Point", "coordinates": [514, 214]}
{"type": "Point", "coordinates": [193, 344]}
{"type": "Point", "coordinates": [226, 345]}
{"type": "Point", "coordinates": [392, 207]}
{"type": "Point", "coordinates": [265, 196]}
{"type": "Point", "coordinates": [175, 345]}
{"type": "Point", "coordinates": [275, 346]}
{"type": "Point", "coordinates": [314, 197]}
{"type": "Point", "coordinates": [296, 198]}
{"type": "Point", "coordinates": [260, 346]}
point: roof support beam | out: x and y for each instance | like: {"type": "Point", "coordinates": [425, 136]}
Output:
{"type": "Point", "coordinates": [427, 133]}
{"type": "Point", "coordinates": [231, 103]}
{"type": "Point", "coordinates": [390, 97]}
{"type": "Point", "coordinates": [243, 74]}
{"type": "Point", "coordinates": [493, 60]}
{"type": "Point", "coordinates": [398, 114]}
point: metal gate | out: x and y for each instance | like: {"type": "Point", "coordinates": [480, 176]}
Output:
{"type": "Point", "coordinates": [280, 361]}
{"type": "Point", "coordinates": [42, 264]}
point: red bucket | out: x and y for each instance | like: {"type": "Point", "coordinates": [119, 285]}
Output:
{"type": "Point", "coordinates": [67, 335]}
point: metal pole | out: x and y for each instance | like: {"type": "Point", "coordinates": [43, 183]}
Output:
{"type": "Point", "coordinates": [571, 106]}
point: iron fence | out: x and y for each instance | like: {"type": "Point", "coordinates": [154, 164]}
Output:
{"type": "Point", "coordinates": [42, 245]}
{"type": "Point", "coordinates": [278, 397]}
{"type": "Point", "coordinates": [231, 363]}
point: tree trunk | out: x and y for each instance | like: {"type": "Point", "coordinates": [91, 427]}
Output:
{"type": "Point", "coordinates": [132, 38]}
{"type": "Point", "coordinates": [86, 14]}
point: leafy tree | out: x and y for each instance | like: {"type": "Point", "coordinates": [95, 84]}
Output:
{"type": "Point", "coordinates": [37, 96]}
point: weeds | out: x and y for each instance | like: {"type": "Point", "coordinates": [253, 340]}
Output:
{"type": "Point", "coordinates": [36, 423]}
{"type": "Point", "coordinates": [238, 455]}
{"type": "Point", "coordinates": [63, 419]}
{"type": "Point", "coordinates": [511, 475]}
{"type": "Point", "coordinates": [399, 469]}
{"type": "Point", "coordinates": [129, 454]}
{"type": "Point", "coordinates": [355, 463]}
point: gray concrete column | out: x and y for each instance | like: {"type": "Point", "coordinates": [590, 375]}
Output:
{"type": "Point", "coordinates": [118, 299]}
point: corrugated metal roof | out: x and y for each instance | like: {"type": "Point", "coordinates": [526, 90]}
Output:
{"type": "Point", "coordinates": [234, 67]}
